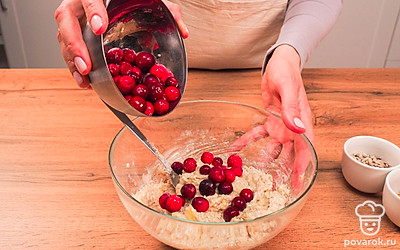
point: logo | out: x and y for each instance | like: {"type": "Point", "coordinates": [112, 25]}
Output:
{"type": "Point", "coordinates": [370, 214]}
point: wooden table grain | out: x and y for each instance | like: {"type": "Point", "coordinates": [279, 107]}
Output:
{"type": "Point", "coordinates": [55, 186]}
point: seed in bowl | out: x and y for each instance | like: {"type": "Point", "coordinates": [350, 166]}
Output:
{"type": "Point", "coordinates": [139, 75]}
{"type": "Point", "coordinates": [214, 193]}
{"type": "Point", "coordinates": [371, 160]}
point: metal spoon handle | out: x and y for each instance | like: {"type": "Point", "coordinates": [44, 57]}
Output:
{"type": "Point", "coordinates": [135, 130]}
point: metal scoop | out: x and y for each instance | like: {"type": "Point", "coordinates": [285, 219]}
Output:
{"type": "Point", "coordinates": [132, 127]}
{"type": "Point", "coordinates": [141, 25]}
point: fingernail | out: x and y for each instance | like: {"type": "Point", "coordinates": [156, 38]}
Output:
{"type": "Point", "coordinates": [181, 24]}
{"type": "Point", "coordinates": [96, 23]}
{"type": "Point", "coordinates": [78, 78]}
{"type": "Point", "coordinates": [80, 64]}
{"type": "Point", "coordinates": [298, 123]}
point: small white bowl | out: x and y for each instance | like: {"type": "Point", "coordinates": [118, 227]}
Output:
{"type": "Point", "coordinates": [390, 197]}
{"type": "Point", "coordinates": [361, 176]}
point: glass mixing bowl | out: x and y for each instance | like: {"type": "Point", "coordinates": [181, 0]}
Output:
{"type": "Point", "coordinates": [215, 126]}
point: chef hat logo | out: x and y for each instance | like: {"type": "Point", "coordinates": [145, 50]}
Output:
{"type": "Point", "coordinates": [370, 214]}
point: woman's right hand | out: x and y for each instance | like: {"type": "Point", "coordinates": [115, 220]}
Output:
{"type": "Point", "coordinates": [72, 16]}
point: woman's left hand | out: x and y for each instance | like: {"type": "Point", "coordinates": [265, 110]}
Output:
{"type": "Point", "coordinates": [283, 93]}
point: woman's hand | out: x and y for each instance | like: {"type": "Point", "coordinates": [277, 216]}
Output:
{"type": "Point", "coordinates": [283, 93]}
{"type": "Point", "coordinates": [72, 16]}
{"type": "Point", "coordinates": [177, 13]}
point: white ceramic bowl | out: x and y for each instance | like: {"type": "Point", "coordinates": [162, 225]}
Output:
{"type": "Point", "coordinates": [362, 176]}
{"type": "Point", "coordinates": [390, 197]}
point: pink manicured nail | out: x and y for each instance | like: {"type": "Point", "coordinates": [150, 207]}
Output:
{"type": "Point", "coordinates": [80, 64]}
{"type": "Point", "coordinates": [96, 23]}
{"type": "Point", "coordinates": [78, 78]}
{"type": "Point", "coordinates": [298, 123]}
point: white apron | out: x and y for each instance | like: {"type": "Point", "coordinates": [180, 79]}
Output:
{"type": "Point", "coordinates": [230, 33]}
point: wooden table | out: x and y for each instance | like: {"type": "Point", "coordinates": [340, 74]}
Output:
{"type": "Point", "coordinates": [55, 185]}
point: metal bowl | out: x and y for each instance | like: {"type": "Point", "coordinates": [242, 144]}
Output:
{"type": "Point", "coordinates": [142, 26]}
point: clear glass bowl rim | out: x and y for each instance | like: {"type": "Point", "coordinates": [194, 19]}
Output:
{"type": "Point", "coordinates": [115, 179]}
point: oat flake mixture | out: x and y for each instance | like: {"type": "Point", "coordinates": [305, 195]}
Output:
{"type": "Point", "coordinates": [268, 197]}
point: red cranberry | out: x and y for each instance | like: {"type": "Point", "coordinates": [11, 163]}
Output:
{"type": "Point", "coordinates": [125, 68]}
{"type": "Point", "coordinates": [207, 157]}
{"type": "Point", "coordinates": [129, 55]}
{"type": "Point", "coordinates": [239, 202]}
{"type": "Point", "coordinates": [171, 81]}
{"type": "Point", "coordinates": [116, 78]}
{"type": "Point", "coordinates": [125, 84]}
{"type": "Point", "coordinates": [200, 204]}
{"type": "Point", "coordinates": [234, 161]}
{"type": "Point", "coordinates": [156, 92]}
{"type": "Point", "coordinates": [145, 60]}
{"type": "Point", "coordinates": [163, 200]}
{"type": "Point", "coordinates": [114, 55]}
{"type": "Point", "coordinates": [136, 70]}
{"type": "Point", "coordinates": [188, 191]}
{"type": "Point", "coordinates": [225, 188]}
{"type": "Point", "coordinates": [149, 79]}
{"type": "Point", "coordinates": [149, 109]}
{"type": "Point", "coordinates": [128, 97]}
{"type": "Point", "coordinates": [230, 212]}
{"type": "Point", "coordinates": [135, 77]}
{"type": "Point", "coordinates": [172, 93]}
{"type": "Point", "coordinates": [166, 76]}
{"type": "Point", "coordinates": [238, 171]}
{"type": "Point", "coordinates": [229, 175]}
{"type": "Point", "coordinates": [217, 174]}
{"type": "Point", "coordinates": [161, 106]}
{"type": "Point", "coordinates": [207, 187]}
{"type": "Point", "coordinates": [159, 70]}
{"type": "Point", "coordinates": [189, 165]}
{"type": "Point", "coordinates": [174, 203]}
{"type": "Point", "coordinates": [138, 103]}
{"type": "Point", "coordinates": [247, 194]}
{"type": "Point", "coordinates": [163, 96]}
{"type": "Point", "coordinates": [205, 169]}
{"type": "Point", "coordinates": [217, 161]}
{"type": "Point", "coordinates": [177, 167]}
{"type": "Point", "coordinates": [114, 69]}
{"type": "Point", "coordinates": [140, 90]}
